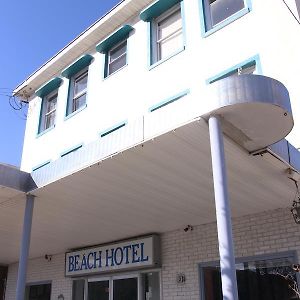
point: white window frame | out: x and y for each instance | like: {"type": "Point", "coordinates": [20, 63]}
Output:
{"type": "Point", "coordinates": [77, 77]}
{"type": "Point", "coordinates": [109, 62]}
{"type": "Point", "coordinates": [156, 42]}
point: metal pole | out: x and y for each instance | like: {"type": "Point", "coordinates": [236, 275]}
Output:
{"type": "Point", "coordinates": [226, 248]}
{"type": "Point", "coordinates": [21, 282]}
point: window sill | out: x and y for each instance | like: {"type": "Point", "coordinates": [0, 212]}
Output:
{"type": "Point", "coordinates": [44, 131]}
{"type": "Point", "coordinates": [108, 76]}
{"type": "Point", "coordinates": [227, 21]}
{"type": "Point", "coordinates": [166, 58]}
{"type": "Point", "coordinates": [75, 112]}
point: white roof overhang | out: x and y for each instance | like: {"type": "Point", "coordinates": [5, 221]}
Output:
{"type": "Point", "coordinates": [102, 28]}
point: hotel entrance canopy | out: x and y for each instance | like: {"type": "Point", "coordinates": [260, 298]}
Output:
{"type": "Point", "coordinates": [154, 175]}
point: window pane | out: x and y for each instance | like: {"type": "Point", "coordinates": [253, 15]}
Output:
{"type": "Point", "coordinates": [125, 289]}
{"type": "Point", "coordinates": [79, 102]}
{"type": "Point", "coordinates": [222, 9]}
{"type": "Point", "coordinates": [248, 70]}
{"type": "Point", "coordinates": [151, 286]}
{"type": "Point", "coordinates": [98, 290]}
{"type": "Point", "coordinates": [38, 292]}
{"type": "Point", "coordinates": [51, 103]}
{"type": "Point", "coordinates": [80, 84]}
{"type": "Point", "coordinates": [170, 45]}
{"type": "Point", "coordinates": [169, 25]}
{"type": "Point", "coordinates": [169, 35]}
{"type": "Point", "coordinates": [117, 64]}
{"type": "Point", "coordinates": [257, 280]}
{"type": "Point", "coordinates": [78, 289]}
{"type": "Point", "coordinates": [118, 51]}
{"type": "Point", "coordinates": [50, 120]}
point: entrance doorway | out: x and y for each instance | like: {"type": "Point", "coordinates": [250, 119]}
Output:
{"type": "Point", "coordinates": [3, 278]}
{"type": "Point", "coordinates": [114, 288]}
{"type": "Point", "coordinates": [144, 285]}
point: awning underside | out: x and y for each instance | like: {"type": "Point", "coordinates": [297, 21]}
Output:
{"type": "Point", "coordinates": [161, 185]}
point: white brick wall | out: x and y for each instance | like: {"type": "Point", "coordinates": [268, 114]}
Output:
{"type": "Point", "coordinates": [40, 269]}
{"type": "Point", "coordinates": [267, 232]}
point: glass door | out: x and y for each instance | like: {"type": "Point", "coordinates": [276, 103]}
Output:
{"type": "Point", "coordinates": [98, 290]}
{"type": "Point", "coordinates": [136, 286]}
{"type": "Point", "coordinates": [125, 288]}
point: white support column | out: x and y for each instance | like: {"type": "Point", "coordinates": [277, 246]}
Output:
{"type": "Point", "coordinates": [24, 252]}
{"type": "Point", "coordinates": [226, 248]}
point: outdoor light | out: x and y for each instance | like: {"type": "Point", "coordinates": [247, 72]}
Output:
{"type": "Point", "coordinates": [295, 209]}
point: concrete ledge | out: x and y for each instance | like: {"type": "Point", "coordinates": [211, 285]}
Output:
{"type": "Point", "coordinates": [255, 110]}
{"type": "Point", "coordinates": [11, 177]}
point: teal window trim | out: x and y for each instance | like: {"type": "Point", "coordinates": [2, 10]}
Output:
{"type": "Point", "coordinates": [254, 60]}
{"type": "Point", "coordinates": [112, 129]}
{"type": "Point", "coordinates": [48, 87]}
{"type": "Point", "coordinates": [151, 23]}
{"type": "Point", "coordinates": [39, 166]}
{"type": "Point", "coordinates": [157, 8]}
{"type": "Point", "coordinates": [39, 134]}
{"type": "Point", "coordinates": [70, 115]}
{"type": "Point", "coordinates": [117, 36]}
{"type": "Point", "coordinates": [206, 32]}
{"type": "Point", "coordinates": [69, 103]}
{"type": "Point", "coordinates": [71, 150]}
{"type": "Point", "coordinates": [169, 100]}
{"type": "Point", "coordinates": [81, 63]}
{"type": "Point", "coordinates": [152, 66]}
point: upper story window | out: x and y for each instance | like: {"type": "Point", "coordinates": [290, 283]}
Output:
{"type": "Point", "coordinates": [115, 49]}
{"type": "Point", "coordinates": [48, 117]}
{"type": "Point", "coordinates": [49, 95]}
{"type": "Point", "coordinates": [79, 90]}
{"type": "Point", "coordinates": [166, 29]}
{"type": "Point", "coordinates": [168, 37]}
{"type": "Point", "coordinates": [77, 73]}
{"type": "Point", "coordinates": [218, 13]}
{"type": "Point", "coordinates": [116, 57]}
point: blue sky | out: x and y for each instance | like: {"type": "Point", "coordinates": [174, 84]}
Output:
{"type": "Point", "coordinates": [31, 32]}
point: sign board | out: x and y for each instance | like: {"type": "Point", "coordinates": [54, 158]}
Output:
{"type": "Point", "coordinates": [127, 255]}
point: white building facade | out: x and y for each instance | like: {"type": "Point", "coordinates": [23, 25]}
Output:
{"type": "Point", "coordinates": [119, 151]}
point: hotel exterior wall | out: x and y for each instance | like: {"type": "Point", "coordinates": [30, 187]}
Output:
{"type": "Point", "coordinates": [264, 233]}
{"type": "Point", "coordinates": [130, 92]}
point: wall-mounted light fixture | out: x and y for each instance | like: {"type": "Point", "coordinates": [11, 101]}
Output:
{"type": "Point", "coordinates": [48, 257]}
{"type": "Point", "coordinates": [61, 297]}
{"type": "Point", "coordinates": [188, 228]}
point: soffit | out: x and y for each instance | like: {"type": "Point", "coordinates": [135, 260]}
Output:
{"type": "Point", "coordinates": [83, 43]}
{"type": "Point", "coordinates": [159, 186]}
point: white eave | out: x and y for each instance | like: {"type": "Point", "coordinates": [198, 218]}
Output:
{"type": "Point", "coordinates": [83, 43]}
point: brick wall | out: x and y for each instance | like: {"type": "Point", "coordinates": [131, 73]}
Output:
{"type": "Point", "coordinates": [267, 232]}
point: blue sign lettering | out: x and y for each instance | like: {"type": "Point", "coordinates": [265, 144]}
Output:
{"type": "Point", "coordinates": [126, 248]}
{"type": "Point", "coordinates": [118, 256]}
{"type": "Point", "coordinates": [110, 257]}
{"type": "Point", "coordinates": [143, 258]}
{"type": "Point", "coordinates": [135, 257]}
{"type": "Point", "coordinates": [71, 263]}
